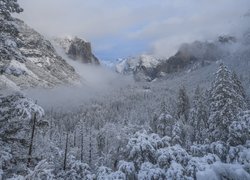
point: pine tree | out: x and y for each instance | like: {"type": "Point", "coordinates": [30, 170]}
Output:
{"type": "Point", "coordinates": [163, 124]}
{"type": "Point", "coordinates": [9, 6]}
{"type": "Point", "coordinates": [225, 104]}
{"type": "Point", "coordinates": [240, 91]}
{"type": "Point", "coordinates": [177, 134]}
{"type": "Point", "coordinates": [239, 130]}
{"type": "Point", "coordinates": [16, 124]}
{"type": "Point", "coordinates": [183, 105]}
{"type": "Point", "coordinates": [69, 127]}
{"type": "Point", "coordinates": [198, 115]}
{"type": "Point", "coordinates": [166, 124]}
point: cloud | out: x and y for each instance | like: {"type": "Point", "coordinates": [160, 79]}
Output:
{"type": "Point", "coordinates": [198, 21]}
{"type": "Point", "coordinates": [96, 82]}
{"type": "Point", "coordinates": [158, 25]}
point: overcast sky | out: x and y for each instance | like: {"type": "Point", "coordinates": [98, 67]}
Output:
{"type": "Point", "coordinates": [120, 28]}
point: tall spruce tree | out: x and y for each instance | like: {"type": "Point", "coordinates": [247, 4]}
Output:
{"type": "Point", "coordinates": [238, 87]}
{"type": "Point", "coordinates": [225, 104]}
{"type": "Point", "coordinates": [199, 115]}
{"type": "Point", "coordinates": [183, 105]}
{"type": "Point", "coordinates": [162, 124]}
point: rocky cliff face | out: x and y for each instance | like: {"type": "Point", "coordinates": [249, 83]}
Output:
{"type": "Point", "coordinates": [197, 54]}
{"type": "Point", "coordinates": [78, 49]}
{"type": "Point", "coordinates": [27, 59]}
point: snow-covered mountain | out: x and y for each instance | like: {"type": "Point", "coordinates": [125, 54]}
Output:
{"type": "Point", "coordinates": [142, 67]}
{"type": "Point", "coordinates": [198, 53]}
{"type": "Point", "coordinates": [77, 49]}
{"type": "Point", "coordinates": [29, 60]}
{"type": "Point", "coordinates": [189, 56]}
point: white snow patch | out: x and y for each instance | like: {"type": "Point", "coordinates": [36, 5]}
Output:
{"type": "Point", "coordinates": [149, 61]}
{"type": "Point", "coordinates": [9, 42]}
{"type": "Point", "coordinates": [7, 83]}
{"type": "Point", "coordinates": [19, 68]}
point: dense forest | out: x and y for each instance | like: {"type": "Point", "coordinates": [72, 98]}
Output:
{"type": "Point", "coordinates": [185, 138]}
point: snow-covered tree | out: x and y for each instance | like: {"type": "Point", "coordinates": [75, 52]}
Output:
{"type": "Point", "coordinates": [183, 104]}
{"type": "Point", "coordinates": [149, 171]}
{"type": "Point", "coordinates": [176, 171]}
{"type": "Point", "coordinates": [199, 149]}
{"type": "Point", "coordinates": [239, 130]}
{"type": "Point", "coordinates": [219, 148]}
{"type": "Point", "coordinates": [225, 104]}
{"type": "Point", "coordinates": [43, 170]}
{"type": "Point", "coordinates": [78, 170]}
{"type": "Point", "coordinates": [240, 90]}
{"type": "Point", "coordinates": [177, 134]}
{"type": "Point", "coordinates": [9, 6]}
{"type": "Point", "coordinates": [173, 153]}
{"type": "Point", "coordinates": [104, 173]}
{"type": "Point", "coordinates": [128, 169]}
{"type": "Point", "coordinates": [111, 140]}
{"type": "Point", "coordinates": [5, 158]}
{"type": "Point", "coordinates": [240, 154]}
{"type": "Point", "coordinates": [16, 112]}
{"type": "Point", "coordinates": [142, 148]}
{"type": "Point", "coordinates": [17, 106]}
{"type": "Point", "coordinates": [199, 116]}
{"type": "Point", "coordinates": [163, 124]}
{"type": "Point", "coordinates": [220, 170]}
{"type": "Point", "coordinates": [69, 127]}
{"type": "Point", "coordinates": [198, 164]}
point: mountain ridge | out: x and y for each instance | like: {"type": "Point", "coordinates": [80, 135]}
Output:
{"type": "Point", "coordinates": [188, 57]}
{"type": "Point", "coordinates": [29, 60]}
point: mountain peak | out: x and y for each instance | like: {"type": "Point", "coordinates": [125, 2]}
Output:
{"type": "Point", "coordinates": [78, 49]}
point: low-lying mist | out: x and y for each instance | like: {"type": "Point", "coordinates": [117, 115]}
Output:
{"type": "Point", "coordinates": [95, 82]}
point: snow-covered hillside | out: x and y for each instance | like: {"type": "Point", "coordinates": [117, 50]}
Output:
{"type": "Point", "coordinates": [29, 60]}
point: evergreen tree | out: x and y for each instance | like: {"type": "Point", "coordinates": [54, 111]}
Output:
{"type": "Point", "coordinates": [183, 105]}
{"type": "Point", "coordinates": [163, 124]}
{"type": "Point", "coordinates": [225, 104]}
{"type": "Point", "coordinates": [69, 127]}
{"type": "Point", "coordinates": [177, 134]}
{"type": "Point", "coordinates": [239, 130]}
{"type": "Point", "coordinates": [142, 147]}
{"type": "Point", "coordinates": [240, 91]}
{"type": "Point", "coordinates": [9, 6]}
{"type": "Point", "coordinates": [16, 112]}
{"type": "Point", "coordinates": [198, 115]}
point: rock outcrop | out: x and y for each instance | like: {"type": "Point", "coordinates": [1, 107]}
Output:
{"type": "Point", "coordinates": [197, 54]}
{"type": "Point", "coordinates": [78, 49]}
